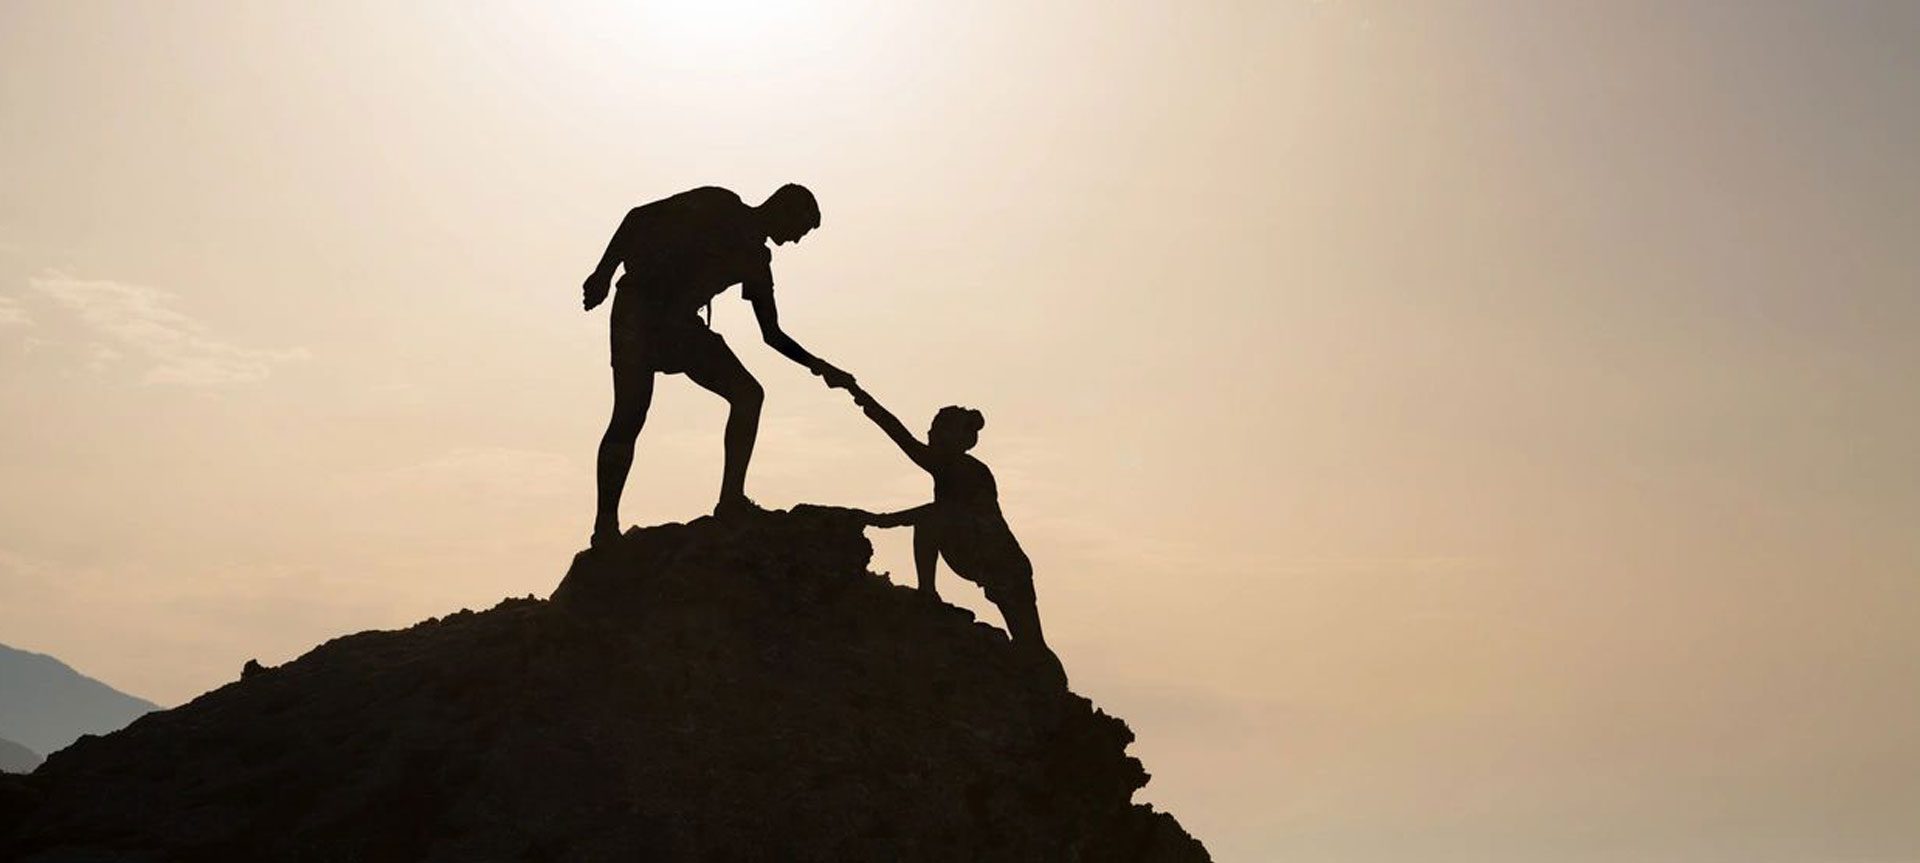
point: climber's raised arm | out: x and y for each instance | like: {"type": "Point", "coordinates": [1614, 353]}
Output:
{"type": "Point", "coordinates": [894, 428]}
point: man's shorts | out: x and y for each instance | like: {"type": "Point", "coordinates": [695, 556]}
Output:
{"type": "Point", "coordinates": [668, 347]}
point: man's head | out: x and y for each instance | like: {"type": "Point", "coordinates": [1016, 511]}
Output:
{"type": "Point", "coordinates": [789, 213]}
{"type": "Point", "coordinates": [955, 429]}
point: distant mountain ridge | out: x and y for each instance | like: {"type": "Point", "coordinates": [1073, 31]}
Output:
{"type": "Point", "coordinates": [45, 705]}
{"type": "Point", "coordinates": [15, 758]}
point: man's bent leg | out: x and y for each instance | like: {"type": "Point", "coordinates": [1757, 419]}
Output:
{"type": "Point", "coordinates": [632, 395]}
{"type": "Point", "coordinates": [743, 428]}
{"type": "Point", "coordinates": [719, 371]}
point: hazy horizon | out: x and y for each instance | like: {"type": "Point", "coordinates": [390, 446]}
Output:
{"type": "Point", "coordinates": [1454, 431]}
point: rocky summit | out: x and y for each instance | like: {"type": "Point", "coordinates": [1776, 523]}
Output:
{"type": "Point", "coordinates": [723, 690]}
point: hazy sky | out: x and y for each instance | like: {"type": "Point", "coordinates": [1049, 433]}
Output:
{"type": "Point", "coordinates": [1445, 431]}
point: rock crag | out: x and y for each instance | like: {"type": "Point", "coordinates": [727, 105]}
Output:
{"type": "Point", "coordinates": [719, 690]}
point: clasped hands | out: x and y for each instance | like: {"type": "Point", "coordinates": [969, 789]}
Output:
{"type": "Point", "coordinates": [832, 374]}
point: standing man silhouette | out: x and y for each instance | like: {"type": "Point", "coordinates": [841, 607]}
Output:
{"type": "Point", "coordinates": [679, 253]}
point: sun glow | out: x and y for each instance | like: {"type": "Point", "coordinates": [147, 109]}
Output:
{"type": "Point", "coordinates": [732, 36]}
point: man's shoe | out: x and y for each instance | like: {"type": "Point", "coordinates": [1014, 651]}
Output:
{"type": "Point", "coordinates": [736, 507]}
{"type": "Point", "coordinates": [605, 535]}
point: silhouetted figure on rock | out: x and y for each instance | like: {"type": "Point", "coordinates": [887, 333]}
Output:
{"type": "Point", "coordinates": [678, 254]}
{"type": "Point", "coordinates": [963, 523]}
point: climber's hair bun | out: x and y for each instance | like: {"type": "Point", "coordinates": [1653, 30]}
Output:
{"type": "Point", "coordinates": [966, 419]}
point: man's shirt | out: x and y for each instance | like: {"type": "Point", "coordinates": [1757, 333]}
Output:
{"type": "Point", "coordinates": [680, 252]}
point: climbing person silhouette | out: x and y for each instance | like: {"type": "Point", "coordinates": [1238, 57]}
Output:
{"type": "Point", "coordinates": [678, 254]}
{"type": "Point", "coordinates": [963, 523]}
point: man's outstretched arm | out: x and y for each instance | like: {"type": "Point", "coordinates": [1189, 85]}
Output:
{"type": "Point", "coordinates": [600, 283]}
{"type": "Point", "coordinates": [768, 316]}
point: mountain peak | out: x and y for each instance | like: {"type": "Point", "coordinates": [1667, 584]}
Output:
{"type": "Point", "coordinates": [735, 689]}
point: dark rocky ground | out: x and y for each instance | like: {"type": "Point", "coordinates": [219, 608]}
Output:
{"type": "Point", "coordinates": [716, 691]}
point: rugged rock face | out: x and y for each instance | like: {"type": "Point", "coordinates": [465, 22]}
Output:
{"type": "Point", "coordinates": [738, 690]}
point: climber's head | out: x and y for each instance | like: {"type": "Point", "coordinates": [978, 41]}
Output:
{"type": "Point", "coordinates": [955, 429]}
{"type": "Point", "coordinates": [789, 213]}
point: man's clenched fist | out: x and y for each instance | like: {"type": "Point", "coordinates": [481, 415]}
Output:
{"type": "Point", "coordinates": [594, 291]}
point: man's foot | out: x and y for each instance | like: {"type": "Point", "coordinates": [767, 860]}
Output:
{"type": "Point", "coordinates": [736, 506]}
{"type": "Point", "coordinates": [605, 534]}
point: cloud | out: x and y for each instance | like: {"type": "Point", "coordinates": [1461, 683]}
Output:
{"type": "Point", "coordinates": [11, 314]}
{"type": "Point", "coordinates": [140, 321]}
